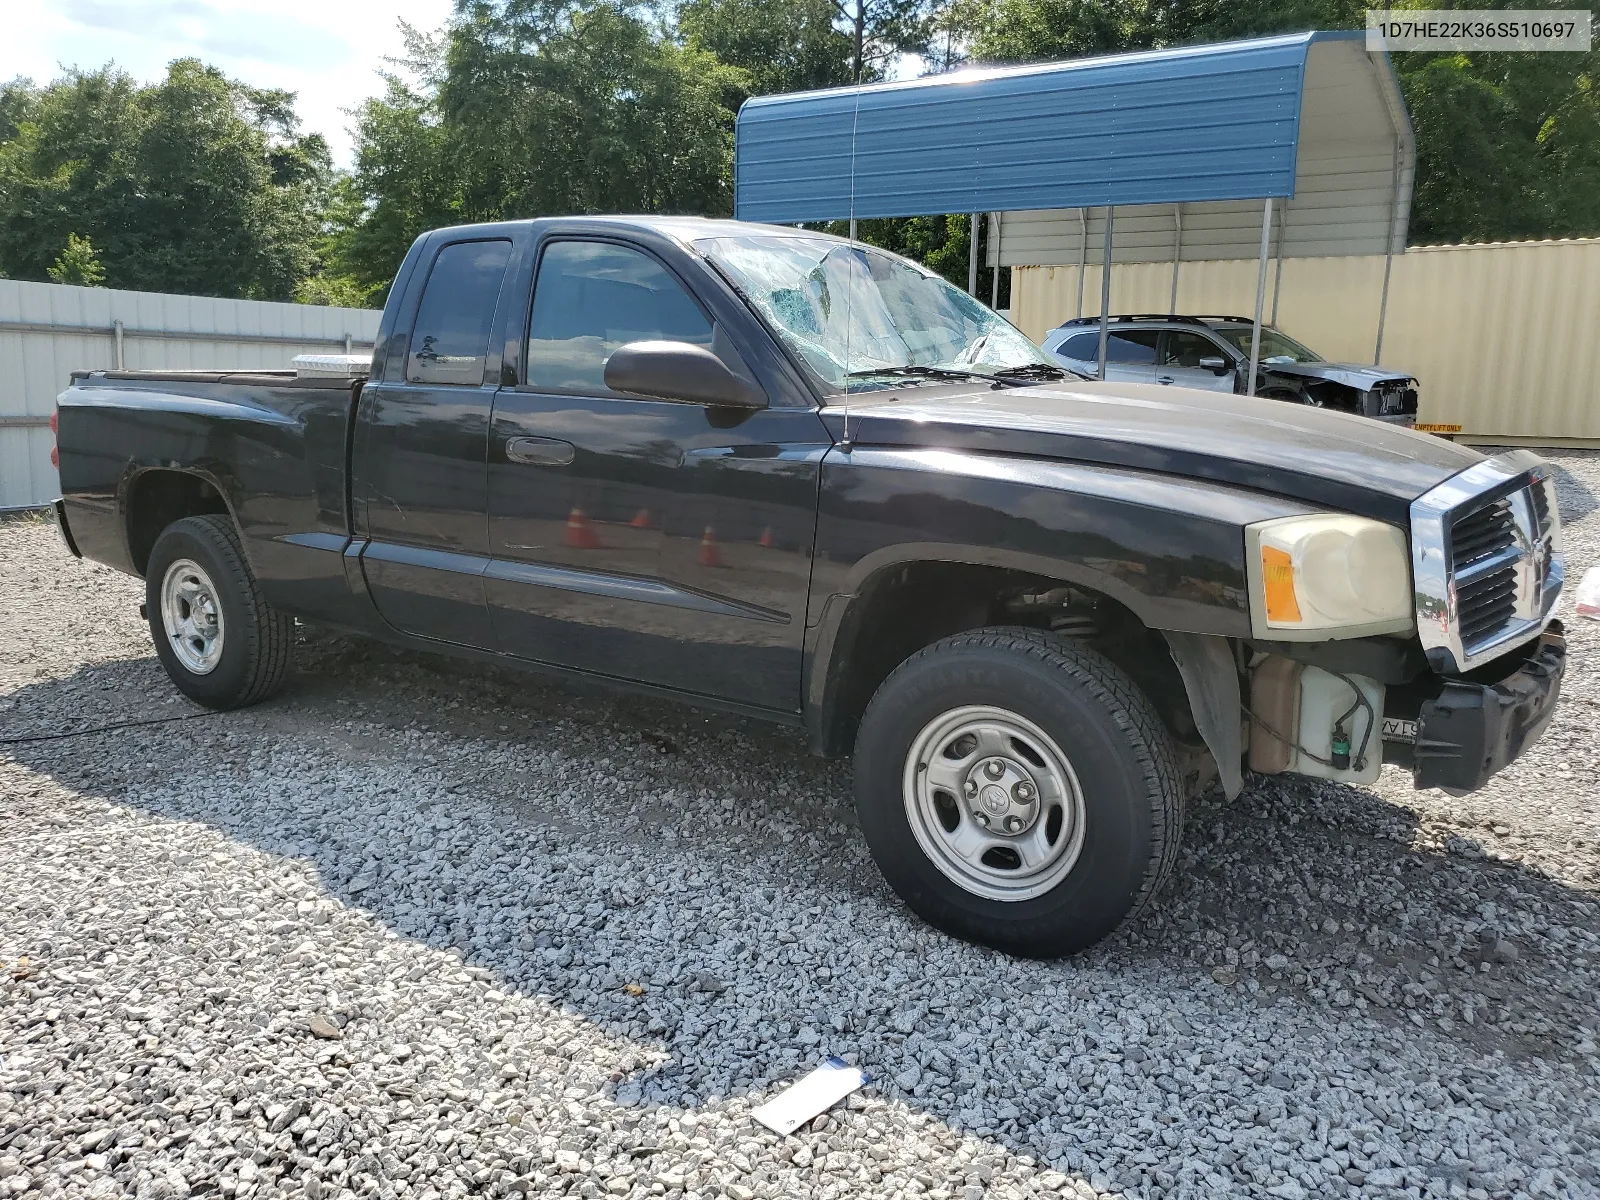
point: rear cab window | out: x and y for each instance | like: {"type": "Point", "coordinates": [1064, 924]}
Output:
{"type": "Point", "coordinates": [1085, 347]}
{"type": "Point", "coordinates": [1137, 346]}
{"type": "Point", "coordinates": [450, 337]}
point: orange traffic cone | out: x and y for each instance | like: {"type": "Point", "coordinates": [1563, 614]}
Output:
{"type": "Point", "coordinates": [580, 533]}
{"type": "Point", "coordinates": [767, 541]}
{"type": "Point", "coordinates": [710, 555]}
{"type": "Point", "coordinates": [641, 519]}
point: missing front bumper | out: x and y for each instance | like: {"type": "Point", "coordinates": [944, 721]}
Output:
{"type": "Point", "coordinates": [1473, 729]}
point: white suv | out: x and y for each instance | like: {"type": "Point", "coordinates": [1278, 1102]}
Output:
{"type": "Point", "coordinates": [1213, 353]}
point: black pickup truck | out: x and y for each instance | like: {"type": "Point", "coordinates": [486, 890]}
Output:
{"type": "Point", "coordinates": [776, 472]}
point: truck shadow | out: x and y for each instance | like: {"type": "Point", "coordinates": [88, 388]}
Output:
{"type": "Point", "coordinates": [1320, 903]}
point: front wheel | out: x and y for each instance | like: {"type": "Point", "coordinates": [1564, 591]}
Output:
{"type": "Point", "coordinates": [1018, 790]}
{"type": "Point", "coordinates": [219, 640]}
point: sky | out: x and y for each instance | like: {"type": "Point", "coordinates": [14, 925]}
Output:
{"type": "Point", "coordinates": [328, 51]}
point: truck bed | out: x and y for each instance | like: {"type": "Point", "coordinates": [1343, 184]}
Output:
{"type": "Point", "coordinates": [271, 445]}
{"type": "Point", "coordinates": [258, 377]}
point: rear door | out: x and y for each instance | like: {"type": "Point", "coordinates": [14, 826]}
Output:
{"type": "Point", "coordinates": [421, 475]}
{"type": "Point", "coordinates": [648, 540]}
{"type": "Point", "coordinates": [1131, 355]}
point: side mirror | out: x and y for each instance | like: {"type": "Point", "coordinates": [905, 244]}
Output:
{"type": "Point", "coordinates": [679, 371]}
{"type": "Point", "coordinates": [1216, 364]}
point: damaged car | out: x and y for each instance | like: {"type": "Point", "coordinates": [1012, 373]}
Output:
{"type": "Point", "coordinates": [1213, 354]}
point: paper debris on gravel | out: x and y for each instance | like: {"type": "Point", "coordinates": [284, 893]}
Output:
{"type": "Point", "coordinates": [816, 1093]}
{"type": "Point", "coordinates": [1586, 602]}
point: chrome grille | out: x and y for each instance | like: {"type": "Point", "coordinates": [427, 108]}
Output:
{"type": "Point", "coordinates": [1483, 559]}
{"type": "Point", "coordinates": [1486, 560]}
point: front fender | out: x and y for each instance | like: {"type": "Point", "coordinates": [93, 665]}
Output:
{"type": "Point", "coordinates": [1168, 549]}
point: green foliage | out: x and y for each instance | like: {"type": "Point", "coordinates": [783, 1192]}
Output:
{"type": "Point", "coordinates": [523, 109]}
{"type": "Point", "coordinates": [1508, 145]}
{"type": "Point", "coordinates": [194, 184]}
{"type": "Point", "coordinates": [881, 29]}
{"type": "Point", "coordinates": [939, 243]}
{"type": "Point", "coordinates": [78, 264]}
{"type": "Point", "coordinates": [781, 46]}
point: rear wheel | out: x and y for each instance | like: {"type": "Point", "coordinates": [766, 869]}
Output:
{"type": "Point", "coordinates": [1018, 790]}
{"type": "Point", "coordinates": [219, 640]}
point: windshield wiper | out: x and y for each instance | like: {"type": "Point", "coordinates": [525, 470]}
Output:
{"type": "Point", "coordinates": [917, 371]}
{"type": "Point", "coordinates": [1036, 371]}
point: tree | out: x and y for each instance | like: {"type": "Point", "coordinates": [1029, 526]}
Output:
{"type": "Point", "coordinates": [881, 29]}
{"type": "Point", "coordinates": [78, 264]}
{"type": "Point", "coordinates": [194, 184]}
{"type": "Point", "coordinates": [1033, 30]}
{"type": "Point", "coordinates": [781, 46]}
{"type": "Point", "coordinates": [521, 108]}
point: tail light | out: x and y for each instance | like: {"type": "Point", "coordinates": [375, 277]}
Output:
{"type": "Point", "coordinates": [55, 434]}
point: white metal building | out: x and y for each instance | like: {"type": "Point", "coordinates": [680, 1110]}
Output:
{"type": "Point", "coordinates": [49, 330]}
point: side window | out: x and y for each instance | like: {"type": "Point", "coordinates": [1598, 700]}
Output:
{"type": "Point", "coordinates": [592, 297]}
{"type": "Point", "coordinates": [451, 334]}
{"type": "Point", "coordinates": [1085, 347]}
{"type": "Point", "coordinates": [1135, 346]}
{"type": "Point", "coordinates": [1185, 349]}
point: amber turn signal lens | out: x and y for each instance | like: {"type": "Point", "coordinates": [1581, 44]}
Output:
{"type": "Point", "coordinates": [1277, 577]}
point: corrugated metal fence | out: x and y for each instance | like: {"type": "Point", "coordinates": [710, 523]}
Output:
{"type": "Point", "coordinates": [49, 330]}
{"type": "Point", "coordinates": [1501, 337]}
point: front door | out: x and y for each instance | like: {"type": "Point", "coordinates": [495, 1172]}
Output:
{"type": "Point", "coordinates": [1181, 353]}
{"type": "Point", "coordinates": [647, 540]}
{"type": "Point", "coordinates": [421, 479]}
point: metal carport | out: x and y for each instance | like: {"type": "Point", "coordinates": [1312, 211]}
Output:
{"type": "Point", "coordinates": [1173, 155]}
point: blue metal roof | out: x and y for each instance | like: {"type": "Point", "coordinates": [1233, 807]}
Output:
{"type": "Point", "coordinates": [1219, 122]}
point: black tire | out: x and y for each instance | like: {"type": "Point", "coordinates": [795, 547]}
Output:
{"type": "Point", "coordinates": [1118, 750]}
{"type": "Point", "coordinates": [1289, 396]}
{"type": "Point", "coordinates": [257, 640]}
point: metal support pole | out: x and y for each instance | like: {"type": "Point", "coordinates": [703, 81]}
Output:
{"type": "Point", "coordinates": [1388, 257]}
{"type": "Point", "coordinates": [972, 260]}
{"type": "Point", "coordinates": [1177, 253]}
{"type": "Point", "coordinates": [994, 236]}
{"type": "Point", "coordinates": [116, 331]}
{"type": "Point", "coordinates": [1277, 277]}
{"type": "Point", "coordinates": [1261, 295]}
{"type": "Point", "coordinates": [1105, 292]}
{"type": "Point", "coordinates": [852, 229]}
{"type": "Point", "coordinates": [1083, 253]}
{"type": "Point", "coordinates": [1383, 306]}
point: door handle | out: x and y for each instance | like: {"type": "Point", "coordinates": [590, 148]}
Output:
{"type": "Point", "coordinates": [540, 451]}
{"type": "Point", "coordinates": [1165, 379]}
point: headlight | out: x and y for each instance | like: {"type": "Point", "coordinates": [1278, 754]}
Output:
{"type": "Point", "coordinates": [1326, 576]}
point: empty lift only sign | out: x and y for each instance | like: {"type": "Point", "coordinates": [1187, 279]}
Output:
{"type": "Point", "coordinates": [1452, 30]}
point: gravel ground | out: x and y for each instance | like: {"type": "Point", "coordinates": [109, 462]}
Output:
{"type": "Point", "coordinates": [408, 931]}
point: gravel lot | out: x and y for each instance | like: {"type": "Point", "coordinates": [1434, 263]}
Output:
{"type": "Point", "coordinates": [407, 931]}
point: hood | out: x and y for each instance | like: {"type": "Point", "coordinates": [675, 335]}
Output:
{"type": "Point", "coordinates": [1362, 378]}
{"type": "Point", "coordinates": [1321, 457]}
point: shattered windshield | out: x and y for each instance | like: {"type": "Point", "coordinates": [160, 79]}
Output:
{"type": "Point", "coordinates": [1275, 346]}
{"type": "Point", "coordinates": [862, 318]}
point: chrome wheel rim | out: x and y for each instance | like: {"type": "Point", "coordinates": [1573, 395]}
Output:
{"type": "Point", "coordinates": [994, 803]}
{"type": "Point", "coordinates": [192, 616]}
